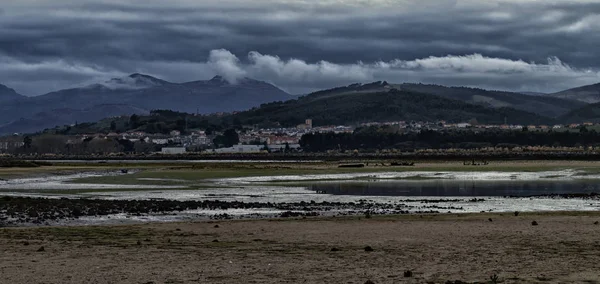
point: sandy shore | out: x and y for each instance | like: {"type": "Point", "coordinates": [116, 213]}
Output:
{"type": "Point", "coordinates": [563, 248]}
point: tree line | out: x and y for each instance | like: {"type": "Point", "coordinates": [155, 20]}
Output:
{"type": "Point", "coordinates": [386, 138]}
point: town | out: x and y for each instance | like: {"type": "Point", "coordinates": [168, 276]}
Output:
{"type": "Point", "coordinates": [245, 140]}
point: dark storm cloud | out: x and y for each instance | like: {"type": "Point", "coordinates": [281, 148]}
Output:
{"type": "Point", "coordinates": [302, 45]}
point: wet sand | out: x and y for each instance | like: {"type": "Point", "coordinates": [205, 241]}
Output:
{"type": "Point", "coordinates": [563, 248]}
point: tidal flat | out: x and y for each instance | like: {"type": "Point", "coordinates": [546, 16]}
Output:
{"type": "Point", "coordinates": [155, 192]}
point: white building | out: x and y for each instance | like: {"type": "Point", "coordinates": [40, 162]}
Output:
{"type": "Point", "coordinates": [160, 141]}
{"type": "Point", "coordinates": [173, 150]}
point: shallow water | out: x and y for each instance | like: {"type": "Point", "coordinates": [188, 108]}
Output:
{"type": "Point", "coordinates": [519, 188]}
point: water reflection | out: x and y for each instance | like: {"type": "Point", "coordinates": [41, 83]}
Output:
{"type": "Point", "coordinates": [455, 187]}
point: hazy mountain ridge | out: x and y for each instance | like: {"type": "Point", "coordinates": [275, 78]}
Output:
{"type": "Point", "coordinates": [139, 92]}
{"type": "Point", "coordinates": [147, 92]}
{"type": "Point", "coordinates": [68, 116]}
{"type": "Point", "coordinates": [7, 94]}
{"type": "Point", "coordinates": [533, 93]}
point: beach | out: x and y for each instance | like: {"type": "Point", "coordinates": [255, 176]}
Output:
{"type": "Point", "coordinates": [435, 248]}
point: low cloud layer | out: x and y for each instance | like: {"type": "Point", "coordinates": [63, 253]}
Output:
{"type": "Point", "coordinates": [302, 45]}
{"type": "Point", "coordinates": [469, 70]}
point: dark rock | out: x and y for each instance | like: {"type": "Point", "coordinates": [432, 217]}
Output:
{"type": "Point", "coordinates": [369, 248]}
{"type": "Point", "coordinates": [534, 223]}
{"type": "Point", "coordinates": [408, 273]}
{"type": "Point", "coordinates": [41, 249]}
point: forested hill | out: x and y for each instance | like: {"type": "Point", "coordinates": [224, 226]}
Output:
{"type": "Point", "coordinates": [392, 105]}
{"type": "Point", "coordinates": [542, 105]}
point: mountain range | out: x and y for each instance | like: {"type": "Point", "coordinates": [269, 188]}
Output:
{"type": "Point", "coordinates": [139, 93]}
{"type": "Point", "coordinates": [9, 95]}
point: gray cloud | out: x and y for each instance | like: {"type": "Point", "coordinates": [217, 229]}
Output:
{"type": "Point", "coordinates": [46, 45]}
{"type": "Point", "coordinates": [468, 70]}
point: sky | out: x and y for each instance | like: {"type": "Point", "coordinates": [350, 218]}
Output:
{"type": "Point", "coordinates": [302, 45]}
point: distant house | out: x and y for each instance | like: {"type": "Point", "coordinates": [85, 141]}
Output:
{"type": "Point", "coordinates": [173, 150]}
{"type": "Point", "coordinates": [10, 144]}
{"type": "Point", "coordinates": [160, 141]}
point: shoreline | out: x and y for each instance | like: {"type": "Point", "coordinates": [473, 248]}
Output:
{"type": "Point", "coordinates": [425, 155]}
{"type": "Point", "coordinates": [19, 211]}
